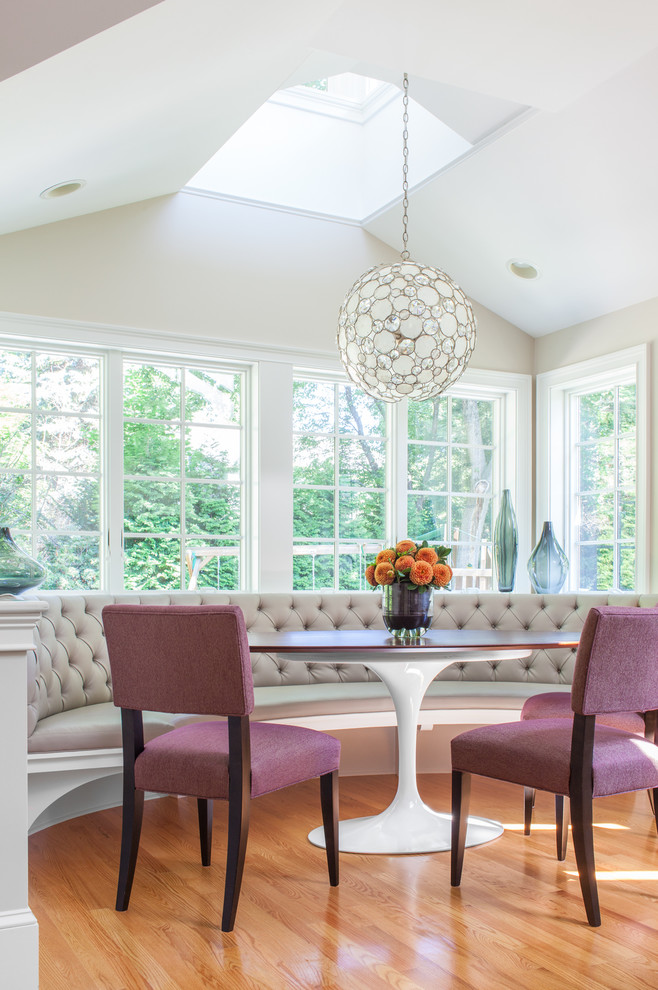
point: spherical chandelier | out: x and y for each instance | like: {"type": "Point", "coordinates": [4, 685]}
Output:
{"type": "Point", "coordinates": [405, 329]}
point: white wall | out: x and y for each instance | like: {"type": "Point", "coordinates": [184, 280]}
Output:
{"type": "Point", "coordinates": [191, 264]}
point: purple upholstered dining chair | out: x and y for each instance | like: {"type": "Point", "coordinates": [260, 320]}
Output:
{"type": "Point", "coordinates": [616, 671]}
{"type": "Point", "coordinates": [556, 704]}
{"type": "Point", "coordinates": [194, 659]}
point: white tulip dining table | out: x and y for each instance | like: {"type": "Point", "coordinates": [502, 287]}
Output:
{"type": "Point", "coordinates": [407, 668]}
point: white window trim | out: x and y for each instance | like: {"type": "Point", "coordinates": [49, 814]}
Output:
{"type": "Point", "coordinates": [114, 345]}
{"type": "Point", "coordinates": [269, 458]}
{"type": "Point", "coordinates": [554, 390]}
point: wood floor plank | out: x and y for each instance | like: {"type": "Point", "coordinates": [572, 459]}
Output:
{"type": "Point", "coordinates": [517, 921]}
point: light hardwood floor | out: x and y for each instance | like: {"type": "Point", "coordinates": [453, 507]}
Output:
{"type": "Point", "coordinates": [516, 922]}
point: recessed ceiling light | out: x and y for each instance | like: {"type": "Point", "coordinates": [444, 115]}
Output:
{"type": "Point", "coordinates": [522, 269]}
{"type": "Point", "coordinates": [62, 189]}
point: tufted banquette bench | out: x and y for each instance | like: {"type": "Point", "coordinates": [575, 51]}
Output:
{"type": "Point", "coordinates": [74, 730]}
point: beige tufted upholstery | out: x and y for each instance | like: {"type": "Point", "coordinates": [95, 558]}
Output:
{"type": "Point", "coordinates": [69, 670]}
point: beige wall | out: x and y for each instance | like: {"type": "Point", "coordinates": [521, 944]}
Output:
{"type": "Point", "coordinates": [190, 264]}
{"type": "Point", "coordinates": [612, 332]}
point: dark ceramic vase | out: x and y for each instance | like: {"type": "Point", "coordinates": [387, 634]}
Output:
{"type": "Point", "coordinates": [407, 612]}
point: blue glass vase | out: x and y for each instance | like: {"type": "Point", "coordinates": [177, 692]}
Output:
{"type": "Point", "coordinates": [18, 571]}
{"type": "Point", "coordinates": [548, 565]}
{"type": "Point", "coordinates": [506, 543]}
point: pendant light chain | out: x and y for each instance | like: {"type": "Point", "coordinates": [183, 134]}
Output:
{"type": "Point", "coordinates": [405, 330]}
{"type": "Point", "coordinates": [405, 168]}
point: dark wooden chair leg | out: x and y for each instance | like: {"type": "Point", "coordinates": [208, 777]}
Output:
{"type": "Point", "coordinates": [561, 825]}
{"type": "Point", "coordinates": [131, 828]}
{"type": "Point", "coordinates": [204, 810]}
{"type": "Point", "coordinates": [238, 815]}
{"type": "Point", "coordinates": [528, 807]}
{"type": "Point", "coordinates": [650, 723]}
{"type": "Point", "coordinates": [329, 801]}
{"type": "Point", "coordinates": [461, 794]}
{"type": "Point", "coordinates": [580, 797]}
{"type": "Point", "coordinates": [653, 797]}
{"type": "Point", "coordinates": [132, 734]}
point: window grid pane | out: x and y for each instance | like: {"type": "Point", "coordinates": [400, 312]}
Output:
{"type": "Point", "coordinates": [340, 451]}
{"type": "Point", "coordinates": [450, 461]}
{"type": "Point", "coordinates": [183, 477]}
{"type": "Point", "coordinates": [51, 480]}
{"type": "Point", "coordinates": [604, 494]}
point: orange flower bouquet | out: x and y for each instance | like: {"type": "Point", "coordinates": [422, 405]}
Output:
{"type": "Point", "coordinates": [416, 565]}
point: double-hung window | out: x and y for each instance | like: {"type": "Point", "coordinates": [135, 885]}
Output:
{"type": "Point", "coordinates": [182, 479]}
{"type": "Point", "coordinates": [448, 460]}
{"type": "Point", "coordinates": [340, 450]}
{"type": "Point", "coordinates": [51, 461]}
{"type": "Point", "coordinates": [592, 459]}
{"type": "Point", "coordinates": [450, 457]}
{"type": "Point", "coordinates": [124, 472]}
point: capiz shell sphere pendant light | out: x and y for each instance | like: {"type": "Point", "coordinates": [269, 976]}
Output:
{"type": "Point", "coordinates": [405, 329]}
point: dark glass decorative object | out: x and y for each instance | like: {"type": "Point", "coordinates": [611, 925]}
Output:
{"type": "Point", "coordinates": [548, 565]}
{"type": "Point", "coordinates": [18, 571]}
{"type": "Point", "coordinates": [506, 543]}
{"type": "Point", "coordinates": [407, 612]}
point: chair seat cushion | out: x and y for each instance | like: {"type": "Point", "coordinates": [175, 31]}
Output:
{"type": "Point", "coordinates": [194, 759]}
{"type": "Point", "coordinates": [536, 753]}
{"type": "Point", "coordinates": [558, 705]}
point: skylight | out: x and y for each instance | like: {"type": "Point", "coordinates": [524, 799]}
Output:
{"type": "Point", "coordinates": [352, 97]}
{"type": "Point", "coordinates": [330, 148]}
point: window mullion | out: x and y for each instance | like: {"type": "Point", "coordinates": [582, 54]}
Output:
{"type": "Point", "coordinates": [113, 533]}
{"type": "Point", "coordinates": [336, 488]}
{"type": "Point", "coordinates": [397, 514]}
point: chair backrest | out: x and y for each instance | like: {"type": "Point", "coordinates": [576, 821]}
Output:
{"type": "Point", "coordinates": [617, 661]}
{"type": "Point", "coordinates": [180, 658]}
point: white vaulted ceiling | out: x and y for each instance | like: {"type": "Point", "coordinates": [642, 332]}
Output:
{"type": "Point", "coordinates": [557, 99]}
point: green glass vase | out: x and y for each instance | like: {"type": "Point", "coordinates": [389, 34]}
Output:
{"type": "Point", "coordinates": [506, 543]}
{"type": "Point", "coordinates": [18, 571]}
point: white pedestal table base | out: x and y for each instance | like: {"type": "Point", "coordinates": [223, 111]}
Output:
{"type": "Point", "coordinates": [408, 825]}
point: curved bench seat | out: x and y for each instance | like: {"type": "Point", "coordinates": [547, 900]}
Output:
{"type": "Point", "coordinates": [74, 734]}
{"type": "Point", "coordinates": [344, 705]}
